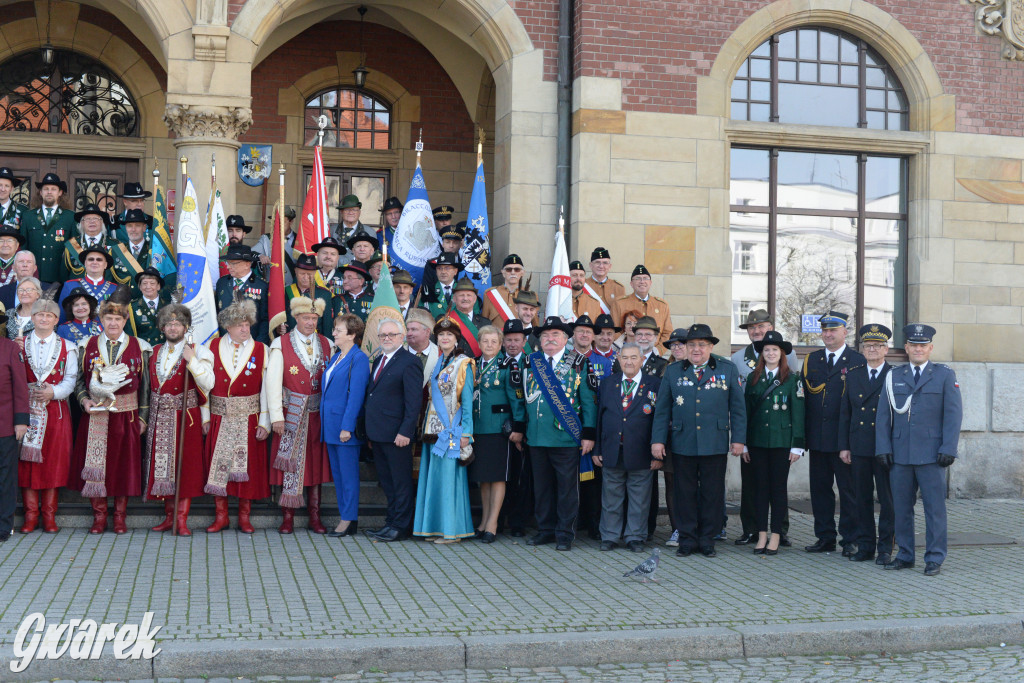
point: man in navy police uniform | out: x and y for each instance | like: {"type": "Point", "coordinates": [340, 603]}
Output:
{"type": "Point", "coordinates": [916, 434]}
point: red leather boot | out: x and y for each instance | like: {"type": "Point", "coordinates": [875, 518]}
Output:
{"type": "Point", "coordinates": [120, 514]}
{"type": "Point", "coordinates": [30, 501]}
{"type": "Point", "coordinates": [220, 520]}
{"type": "Point", "coordinates": [244, 508]}
{"type": "Point", "coordinates": [99, 515]}
{"type": "Point", "coordinates": [184, 505]}
{"type": "Point", "coordinates": [168, 516]}
{"type": "Point", "coordinates": [313, 506]}
{"type": "Point", "coordinates": [287, 526]}
{"type": "Point", "coordinates": [49, 508]}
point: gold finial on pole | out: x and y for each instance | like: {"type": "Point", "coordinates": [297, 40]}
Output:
{"type": "Point", "coordinates": [184, 166]}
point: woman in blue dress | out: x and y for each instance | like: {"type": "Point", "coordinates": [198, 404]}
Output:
{"type": "Point", "coordinates": [344, 387]}
{"type": "Point", "coordinates": [80, 313]}
{"type": "Point", "coordinates": [442, 493]}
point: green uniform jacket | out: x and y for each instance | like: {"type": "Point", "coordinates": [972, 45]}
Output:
{"type": "Point", "coordinates": [72, 267]}
{"type": "Point", "coordinates": [326, 324]}
{"type": "Point", "coordinates": [700, 418]}
{"type": "Point", "coordinates": [14, 215]}
{"type": "Point", "coordinates": [778, 420]}
{"type": "Point", "coordinates": [46, 241]}
{"type": "Point", "coordinates": [542, 427]}
{"type": "Point", "coordinates": [143, 320]}
{"type": "Point", "coordinates": [357, 305]}
{"type": "Point", "coordinates": [498, 397]}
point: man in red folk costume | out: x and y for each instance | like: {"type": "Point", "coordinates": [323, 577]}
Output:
{"type": "Point", "coordinates": [51, 367]}
{"type": "Point", "coordinates": [298, 457]}
{"type": "Point", "coordinates": [167, 374]}
{"type": "Point", "coordinates": [113, 389]}
{"type": "Point", "coordinates": [235, 456]}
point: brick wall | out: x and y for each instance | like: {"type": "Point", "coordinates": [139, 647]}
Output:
{"type": "Point", "coordinates": [447, 125]}
{"type": "Point", "coordinates": [540, 19]}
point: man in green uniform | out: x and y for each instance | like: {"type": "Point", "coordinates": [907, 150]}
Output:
{"type": "Point", "coordinates": [142, 312]}
{"type": "Point", "coordinates": [92, 223]}
{"type": "Point", "coordinates": [561, 419]}
{"type": "Point", "coordinates": [133, 196]}
{"type": "Point", "coordinates": [11, 212]}
{"type": "Point", "coordinates": [305, 285]}
{"type": "Point", "coordinates": [48, 227]}
{"type": "Point", "coordinates": [465, 300]}
{"type": "Point", "coordinates": [131, 257]}
{"type": "Point", "coordinates": [439, 299]}
{"type": "Point", "coordinates": [356, 297]}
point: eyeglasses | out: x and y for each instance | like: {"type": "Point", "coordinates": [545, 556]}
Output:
{"type": "Point", "coordinates": [388, 335]}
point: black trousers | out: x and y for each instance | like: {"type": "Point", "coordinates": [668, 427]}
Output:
{"type": "Point", "coordinates": [748, 516]}
{"type": "Point", "coordinates": [590, 503]}
{"type": "Point", "coordinates": [652, 517]}
{"type": "Point", "coordinates": [826, 467]}
{"type": "Point", "coordinates": [868, 478]}
{"type": "Point", "coordinates": [8, 482]}
{"type": "Point", "coordinates": [699, 494]}
{"type": "Point", "coordinates": [517, 507]}
{"type": "Point", "coordinates": [556, 489]}
{"type": "Point", "coordinates": [769, 475]}
{"type": "Point", "coordinates": [394, 469]}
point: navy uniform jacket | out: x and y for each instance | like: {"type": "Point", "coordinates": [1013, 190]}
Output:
{"type": "Point", "coordinates": [257, 290]}
{"type": "Point", "coordinates": [392, 405]}
{"type": "Point", "coordinates": [931, 426]}
{"type": "Point", "coordinates": [692, 419]}
{"type": "Point", "coordinates": [624, 436]}
{"type": "Point", "coordinates": [857, 411]}
{"type": "Point", "coordinates": [823, 392]}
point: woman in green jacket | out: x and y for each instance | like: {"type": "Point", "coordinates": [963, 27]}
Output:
{"type": "Point", "coordinates": [775, 434]}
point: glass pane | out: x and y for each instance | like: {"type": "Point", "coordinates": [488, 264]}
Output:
{"type": "Point", "coordinates": [738, 111]}
{"type": "Point", "coordinates": [761, 90]}
{"type": "Point", "coordinates": [742, 73]}
{"type": "Point", "coordinates": [849, 75]}
{"type": "Point", "coordinates": [364, 139]}
{"type": "Point", "coordinates": [760, 68]}
{"type": "Point", "coordinates": [817, 104]}
{"type": "Point", "coordinates": [346, 139]}
{"type": "Point", "coordinates": [315, 102]}
{"type": "Point", "coordinates": [381, 140]}
{"type": "Point", "coordinates": [763, 50]}
{"type": "Point", "coordinates": [760, 112]}
{"type": "Point", "coordinates": [739, 89]}
{"type": "Point", "coordinates": [748, 239]}
{"type": "Point", "coordinates": [849, 51]}
{"type": "Point", "coordinates": [311, 137]}
{"type": "Point", "coordinates": [875, 77]}
{"type": "Point", "coordinates": [808, 40]}
{"type": "Point", "coordinates": [897, 122]}
{"type": "Point", "coordinates": [787, 45]}
{"type": "Point", "coordinates": [370, 191]}
{"type": "Point", "coordinates": [816, 266]}
{"type": "Point", "coordinates": [870, 59]}
{"type": "Point", "coordinates": [829, 73]}
{"type": "Point", "coordinates": [748, 170]}
{"type": "Point", "coordinates": [829, 47]}
{"type": "Point", "coordinates": [366, 102]}
{"type": "Point", "coordinates": [895, 101]}
{"type": "Point", "coordinates": [886, 184]}
{"type": "Point", "coordinates": [875, 99]}
{"type": "Point", "coordinates": [347, 98]}
{"type": "Point", "coordinates": [787, 71]}
{"type": "Point", "coordinates": [817, 181]}
{"type": "Point", "coordinates": [330, 99]}
{"type": "Point", "coordinates": [884, 273]}
{"type": "Point", "coordinates": [876, 120]}
{"type": "Point", "coordinates": [381, 120]}
{"type": "Point", "coordinates": [330, 138]}
{"type": "Point", "coordinates": [808, 73]}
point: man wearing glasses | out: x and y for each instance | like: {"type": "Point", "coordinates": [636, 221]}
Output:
{"type": "Point", "coordinates": [641, 300]}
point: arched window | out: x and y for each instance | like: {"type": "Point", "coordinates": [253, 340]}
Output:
{"type": "Point", "coordinates": [75, 94]}
{"type": "Point", "coordinates": [818, 76]}
{"type": "Point", "coordinates": [356, 119]}
{"type": "Point", "coordinates": [818, 229]}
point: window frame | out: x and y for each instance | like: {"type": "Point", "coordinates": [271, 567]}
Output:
{"type": "Point", "coordinates": [386, 108]}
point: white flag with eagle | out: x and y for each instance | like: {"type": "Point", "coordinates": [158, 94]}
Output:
{"type": "Point", "coordinates": [559, 289]}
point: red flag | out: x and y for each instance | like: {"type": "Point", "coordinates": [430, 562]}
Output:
{"type": "Point", "coordinates": [276, 302]}
{"type": "Point", "coordinates": [315, 225]}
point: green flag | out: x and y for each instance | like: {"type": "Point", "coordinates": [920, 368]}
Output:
{"type": "Point", "coordinates": [163, 253]}
{"type": "Point", "coordinates": [385, 305]}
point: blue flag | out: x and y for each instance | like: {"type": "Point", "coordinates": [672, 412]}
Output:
{"type": "Point", "coordinates": [416, 240]}
{"type": "Point", "coordinates": [476, 250]}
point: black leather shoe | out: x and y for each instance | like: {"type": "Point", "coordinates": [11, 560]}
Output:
{"type": "Point", "coordinates": [478, 533]}
{"type": "Point", "coordinates": [563, 546]}
{"type": "Point", "coordinates": [899, 564]}
{"type": "Point", "coordinates": [862, 556]}
{"type": "Point", "coordinates": [5, 536]}
{"type": "Point", "coordinates": [684, 552]}
{"type": "Point", "coordinates": [746, 539]}
{"type": "Point", "coordinates": [821, 547]}
{"type": "Point", "coordinates": [516, 532]}
{"type": "Point", "coordinates": [594, 535]}
{"type": "Point", "coordinates": [785, 542]}
{"type": "Point", "coordinates": [487, 537]}
{"type": "Point", "coordinates": [635, 546]}
{"type": "Point", "coordinates": [374, 532]}
{"type": "Point", "coordinates": [848, 550]}
{"type": "Point", "coordinates": [390, 535]}
{"type": "Point", "coordinates": [608, 545]}
{"type": "Point", "coordinates": [708, 551]}
{"type": "Point", "coordinates": [932, 568]}
{"type": "Point", "coordinates": [541, 539]}
{"type": "Point", "coordinates": [883, 559]}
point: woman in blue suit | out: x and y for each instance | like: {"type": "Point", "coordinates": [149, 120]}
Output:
{"type": "Point", "coordinates": [344, 387]}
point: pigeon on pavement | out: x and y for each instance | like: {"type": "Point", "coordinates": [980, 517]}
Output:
{"type": "Point", "coordinates": [646, 569]}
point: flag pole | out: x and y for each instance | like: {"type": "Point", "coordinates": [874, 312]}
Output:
{"type": "Point", "coordinates": [184, 174]}
{"type": "Point", "coordinates": [180, 446]}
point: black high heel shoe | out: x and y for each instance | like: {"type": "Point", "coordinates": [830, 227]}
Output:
{"type": "Point", "coordinates": [353, 527]}
{"type": "Point", "coordinates": [759, 551]}
{"type": "Point", "coordinates": [769, 551]}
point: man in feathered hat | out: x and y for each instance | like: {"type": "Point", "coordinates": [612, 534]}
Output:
{"type": "Point", "coordinates": [168, 366]}
{"type": "Point", "coordinates": [234, 455]}
{"type": "Point", "coordinates": [113, 390]}
{"type": "Point", "coordinates": [298, 457]}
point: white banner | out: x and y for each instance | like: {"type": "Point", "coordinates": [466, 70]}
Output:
{"type": "Point", "coordinates": [193, 274]}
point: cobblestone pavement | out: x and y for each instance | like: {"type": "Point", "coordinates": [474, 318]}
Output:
{"type": "Point", "coordinates": [233, 586]}
{"type": "Point", "coordinates": [991, 665]}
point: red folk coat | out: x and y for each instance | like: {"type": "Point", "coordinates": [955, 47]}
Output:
{"type": "Point", "coordinates": [318, 467]}
{"type": "Point", "coordinates": [52, 472]}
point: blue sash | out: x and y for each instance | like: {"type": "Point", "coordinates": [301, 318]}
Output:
{"type": "Point", "coordinates": [449, 439]}
{"type": "Point", "coordinates": [555, 395]}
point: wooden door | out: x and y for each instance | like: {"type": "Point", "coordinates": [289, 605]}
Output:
{"type": "Point", "coordinates": [89, 180]}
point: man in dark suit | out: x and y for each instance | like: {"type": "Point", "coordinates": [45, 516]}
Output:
{"type": "Point", "coordinates": [242, 281]}
{"type": "Point", "coordinates": [916, 435]}
{"type": "Point", "coordinates": [824, 373]}
{"type": "Point", "coordinates": [625, 414]}
{"type": "Point", "coordinates": [13, 426]}
{"type": "Point", "coordinates": [857, 446]}
{"type": "Point", "coordinates": [394, 396]}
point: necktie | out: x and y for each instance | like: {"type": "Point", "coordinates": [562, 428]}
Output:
{"type": "Point", "coordinates": [112, 349]}
{"type": "Point", "coordinates": [135, 250]}
{"type": "Point", "coordinates": [770, 376]}
{"type": "Point", "coordinates": [447, 294]}
{"type": "Point", "coordinates": [551, 362]}
{"type": "Point", "coordinates": [49, 215]}
{"type": "Point", "coordinates": [700, 374]}
{"type": "Point", "coordinates": [831, 361]}
{"type": "Point", "coordinates": [423, 358]}
{"type": "Point", "coordinates": [152, 305]}
{"type": "Point", "coordinates": [238, 282]}
{"type": "Point", "coordinates": [874, 374]}
{"type": "Point", "coordinates": [917, 374]}
{"type": "Point", "coordinates": [380, 368]}
{"type": "Point", "coordinates": [627, 389]}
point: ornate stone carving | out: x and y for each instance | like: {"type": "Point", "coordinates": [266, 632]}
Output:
{"type": "Point", "coordinates": [207, 121]}
{"type": "Point", "coordinates": [1004, 18]}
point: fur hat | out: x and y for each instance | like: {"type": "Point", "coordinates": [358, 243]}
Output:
{"type": "Point", "coordinates": [171, 312]}
{"type": "Point", "coordinates": [303, 304]}
{"type": "Point", "coordinates": [238, 312]}
{"type": "Point", "coordinates": [44, 305]}
{"type": "Point", "coordinates": [421, 316]}
{"type": "Point", "coordinates": [118, 304]}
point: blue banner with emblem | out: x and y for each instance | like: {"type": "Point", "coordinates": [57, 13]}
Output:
{"type": "Point", "coordinates": [554, 394]}
{"type": "Point", "coordinates": [254, 162]}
